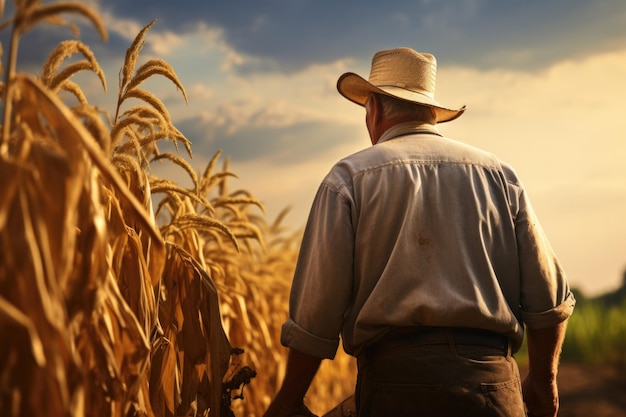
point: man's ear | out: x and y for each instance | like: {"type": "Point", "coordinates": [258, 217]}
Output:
{"type": "Point", "coordinates": [373, 116]}
{"type": "Point", "coordinates": [375, 106]}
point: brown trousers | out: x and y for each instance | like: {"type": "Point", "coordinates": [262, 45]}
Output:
{"type": "Point", "coordinates": [442, 380]}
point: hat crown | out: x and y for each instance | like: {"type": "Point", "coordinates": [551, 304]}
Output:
{"type": "Point", "coordinates": [404, 68]}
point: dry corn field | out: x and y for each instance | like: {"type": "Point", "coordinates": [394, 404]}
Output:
{"type": "Point", "coordinates": [121, 293]}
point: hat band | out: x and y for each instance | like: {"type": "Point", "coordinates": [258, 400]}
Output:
{"type": "Point", "coordinates": [428, 94]}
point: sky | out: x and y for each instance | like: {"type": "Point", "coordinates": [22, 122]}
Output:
{"type": "Point", "coordinates": [543, 81]}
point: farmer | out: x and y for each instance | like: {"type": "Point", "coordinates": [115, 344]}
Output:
{"type": "Point", "coordinates": [425, 255]}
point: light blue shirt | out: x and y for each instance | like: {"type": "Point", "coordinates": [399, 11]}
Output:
{"type": "Point", "coordinates": [421, 230]}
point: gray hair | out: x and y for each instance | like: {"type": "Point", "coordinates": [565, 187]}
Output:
{"type": "Point", "coordinates": [393, 108]}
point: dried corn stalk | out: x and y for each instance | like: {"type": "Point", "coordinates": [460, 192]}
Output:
{"type": "Point", "coordinates": [82, 289]}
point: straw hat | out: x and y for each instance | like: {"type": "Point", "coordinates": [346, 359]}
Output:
{"type": "Point", "coordinates": [401, 73]}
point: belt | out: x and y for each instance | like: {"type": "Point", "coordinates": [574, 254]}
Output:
{"type": "Point", "coordinates": [428, 335]}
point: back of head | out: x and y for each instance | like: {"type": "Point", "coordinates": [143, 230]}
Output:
{"type": "Point", "coordinates": [402, 110]}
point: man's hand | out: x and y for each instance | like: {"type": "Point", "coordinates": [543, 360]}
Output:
{"type": "Point", "coordinates": [279, 408]}
{"type": "Point", "coordinates": [541, 397]}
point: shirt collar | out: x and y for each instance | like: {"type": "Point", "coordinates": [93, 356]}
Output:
{"type": "Point", "coordinates": [408, 128]}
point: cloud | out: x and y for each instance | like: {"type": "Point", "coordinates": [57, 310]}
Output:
{"type": "Point", "coordinates": [286, 37]}
{"type": "Point", "coordinates": [283, 118]}
{"type": "Point", "coordinates": [279, 145]}
{"type": "Point", "coordinates": [554, 112]}
{"type": "Point", "coordinates": [480, 33]}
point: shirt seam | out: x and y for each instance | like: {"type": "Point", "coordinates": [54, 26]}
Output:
{"type": "Point", "coordinates": [423, 163]}
{"type": "Point", "coordinates": [337, 189]}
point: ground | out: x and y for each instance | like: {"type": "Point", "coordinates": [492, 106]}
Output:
{"type": "Point", "coordinates": [592, 391]}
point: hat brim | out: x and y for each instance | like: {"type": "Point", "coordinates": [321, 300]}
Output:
{"type": "Point", "coordinates": [357, 89]}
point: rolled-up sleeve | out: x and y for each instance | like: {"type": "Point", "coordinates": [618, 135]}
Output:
{"type": "Point", "coordinates": [552, 316]}
{"type": "Point", "coordinates": [296, 337]}
{"type": "Point", "coordinates": [322, 286]}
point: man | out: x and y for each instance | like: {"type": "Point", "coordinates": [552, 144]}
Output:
{"type": "Point", "coordinates": [425, 255]}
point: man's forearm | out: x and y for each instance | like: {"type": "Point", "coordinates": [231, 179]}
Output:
{"type": "Point", "coordinates": [544, 350]}
{"type": "Point", "coordinates": [289, 401]}
{"type": "Point", "coordinates": [301, 368]}
{"type": "Point", "coordinates": [540, 390]}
